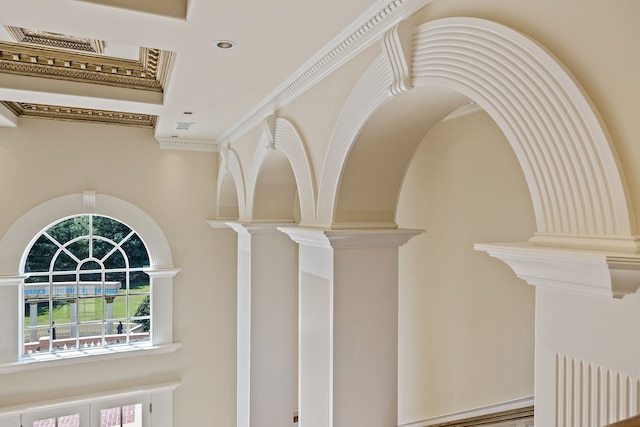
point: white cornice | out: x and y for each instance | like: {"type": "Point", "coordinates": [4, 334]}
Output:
{"type": "Point", "coordinates": [390, 238]}
{"type": "Point", "coordinates": [366, 30]}
{"type": "Point", "coordinates": [188, 144]}
{"type": "Point", "coordinates": [606, 274]}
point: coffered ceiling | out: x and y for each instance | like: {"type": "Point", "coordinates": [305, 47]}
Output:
{"type": "Point", "coordinates": [161, 64]}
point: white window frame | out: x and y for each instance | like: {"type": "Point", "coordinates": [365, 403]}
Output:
{"type": "Point", "coordinates": [14, 248]}
{"type": "Point", "coordinates": [157, 401]}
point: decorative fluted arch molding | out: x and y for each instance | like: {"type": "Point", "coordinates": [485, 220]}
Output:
{"type": "Point", "coordinates": [371, 91]}
{"type": "Point", "coordinates": [282, 134]}
{"type": "Point", "coordinates": [577, 188]}
{"type": "Point", "coordinates": [229, 162]}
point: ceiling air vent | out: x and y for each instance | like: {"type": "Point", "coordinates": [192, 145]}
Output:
{"type": "Point", "coordinates": [183, 125]}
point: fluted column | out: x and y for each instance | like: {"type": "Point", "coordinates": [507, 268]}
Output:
{"type": "Point", "coordinates": [348, 320]}
{"type": "Point", "coordinates": [267, 342]}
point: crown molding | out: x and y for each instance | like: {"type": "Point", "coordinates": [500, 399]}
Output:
{"type": "Point", "coordinates": [595, 273]}
{"type": "Point", "coordinates": [369, 28]}
{"type": "Point", "coordinates": [62, 41]}
{"type": "Point", "coordinates": [188, 144]}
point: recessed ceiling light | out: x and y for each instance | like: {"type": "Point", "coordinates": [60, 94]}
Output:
{"type": "Point", "coordinates": [225, 44]}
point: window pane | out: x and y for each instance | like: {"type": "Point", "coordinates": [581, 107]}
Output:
{"type": "Point", "coordinates": [90, 309]}
{"type": "Point", "coordinates": [110, 228]}
{"type": "Point", "coordinates": [64, 311]}
{"type": "Point", "coordinates": [115, 260]}
{"type": "Point", "coordinates": [79, 248]}
{"type": "Point", "coordinates": [132, 415]}
{"type": "Point", "coordinates": [139, 281]}
{"type": "Point", "coordinates": [90, 277]}
{"type": "Point", "coordinates": [91, 335]}
{"type": "Point", "coordinates": [65, 290]}
{"type": "Point", "coordinates": [64, 263]}
{"type": "Point", "coordinates": [140, 306]}
{"type": "Point", "coordinates": [91, 265]}
{"type": "Point", "coordinates": [36, 339]}
{"type": "Point", "coordinates": [69, 421]}
{"type": "Point", "coordinates": [139, 332]}
{"type": "Point", "coordinates": [49, 422]}
{"type": "Point", "coordinates": [69, 229]}
{"type": "Point", "coordinates": [40, 255]}
{"type": "Point", "coordinates": [36, 291]}
{"type": "Point", "coordinates": [136, 252]}
{"type": "Point", "coordinates": [101, 248]}
{"type": "Point", "coordinates": [110, 417]}
{"type": "Point", "coordinates": [69, 278]}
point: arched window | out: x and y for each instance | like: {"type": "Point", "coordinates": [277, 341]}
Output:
{"type": "Point", "coordinates": [86, 286]}
{"type": "Point", "coordinates": [77, 266]}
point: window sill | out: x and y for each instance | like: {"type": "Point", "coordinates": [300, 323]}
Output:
{"type": "Point", "coordinates": [48, 360]}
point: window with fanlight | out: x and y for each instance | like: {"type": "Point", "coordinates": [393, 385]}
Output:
{"type": "Point", "coordinates": [86, 287]}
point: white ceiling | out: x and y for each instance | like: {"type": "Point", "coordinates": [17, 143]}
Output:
{"type": "Point", "coordinates": [276, 42]}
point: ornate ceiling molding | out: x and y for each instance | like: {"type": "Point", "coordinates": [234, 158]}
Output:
{"type": "Point", "coordinates": [44, 38]}
{"type": "Point", "coordinates": [148, 73]}
{"type": "Point", "coordinates": [54, 112]}
{"type": "Point", "coordinates": [77, 59]}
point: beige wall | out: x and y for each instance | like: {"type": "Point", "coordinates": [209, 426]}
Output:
{"type": "Point", "coordinates": [466, 322]}
{"type": "Point", "coordinates": [42, 160]}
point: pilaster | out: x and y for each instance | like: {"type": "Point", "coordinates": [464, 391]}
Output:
{"type": "Point", "coordinates": [267, 342]}
{"type": "Point", "coordinates": [348, 326]}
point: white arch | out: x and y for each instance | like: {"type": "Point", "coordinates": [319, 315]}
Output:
{"type": "Point", "coordinates": [285, 137]}
{"type": "Point", "coordinates": [230, 163]}
{"type": "Point", "coordinates": [577, 188]}
{"type": "Point", "coordinates": [28, 227]}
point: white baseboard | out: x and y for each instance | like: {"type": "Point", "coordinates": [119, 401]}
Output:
{"type": "Point", "coordinates": [477, 412]}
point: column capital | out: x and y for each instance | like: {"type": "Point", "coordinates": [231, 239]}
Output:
{"type": "Point", "coordinates": [257, 227]}
{"type": "Point", "coordinates": [360, 238]}
{"type": "Point", "coordinates": [162, 272]}
{"type": "Point", "coordinates": [599, 273]}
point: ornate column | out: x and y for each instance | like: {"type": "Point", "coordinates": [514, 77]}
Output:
{"type": "Point", "coordinates": [348, 326]}
{"type": "Point", "coordinates": [267, 347]}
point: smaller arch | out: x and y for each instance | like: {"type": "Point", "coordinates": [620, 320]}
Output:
{"type": "Point", "coordinates": [282, 141]}
{"type": "Point", "coordinates": [230, 185]}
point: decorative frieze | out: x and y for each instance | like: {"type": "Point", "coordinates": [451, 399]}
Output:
{"type": "Point", "coordinates": [148, 73]}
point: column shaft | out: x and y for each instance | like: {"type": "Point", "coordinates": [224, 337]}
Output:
{"type": "Point", "coordinates": [267, 341]}
{"type": "Point", "coordinates": [348, 326]}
